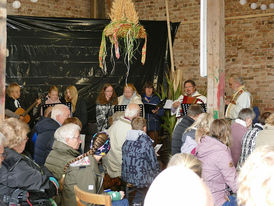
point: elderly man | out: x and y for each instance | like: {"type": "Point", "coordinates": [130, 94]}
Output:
{"type": "Point", "coordinates": [238, 130]}
{"type": "Point", "coordinates": [240, 99]}
{"type": "Point", "coordinates": [45, 130]}
{"type": "Point", "coordinates": [118, 132]}
{"type": "Point", "coordinates": [190, 91]}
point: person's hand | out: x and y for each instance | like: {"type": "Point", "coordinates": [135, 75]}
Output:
{"type": "Point", "coordinates": [227, 102]}
{"type": "Point", "coordinates": [122, 193]}
{"type": "Point", "coordinates": [175, 105]}
{"type": "Point", "coordinates": [38, 101]}
{"type": "Point", "coordinates": [21, 117]}
{"type": "Point", "coordinates": [154, 111]}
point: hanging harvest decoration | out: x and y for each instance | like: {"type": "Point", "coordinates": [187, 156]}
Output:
{"type": "Point", "coordinates": [124, 24]}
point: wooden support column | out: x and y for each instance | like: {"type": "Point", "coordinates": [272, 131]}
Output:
{"type": "Point", "coordinates": [97, 9]}
{"type": "Point", "coordinates": [3, 53]}
{"type": "Point", "coordinates": [216, 57]}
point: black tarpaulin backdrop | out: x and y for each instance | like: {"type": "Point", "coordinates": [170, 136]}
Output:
{"type": "Point", "coordinates": [62, 52]}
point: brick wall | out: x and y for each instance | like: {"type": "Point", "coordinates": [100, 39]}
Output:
{"type": "Point", "coordinates": [52, 8]}
{"type": "Point", "coordinates": [249, 43]}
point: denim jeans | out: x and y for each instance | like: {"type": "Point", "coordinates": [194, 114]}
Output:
{"type": "Point", "coordinates": [232, 201]}
{"type": "Point", "coordinates": [123, 202]}
{"type": "Point", "coordinates": [140, 195]}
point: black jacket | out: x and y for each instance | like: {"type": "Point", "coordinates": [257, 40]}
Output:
{"type": "Point", "coordinates": [178, 132]}
{"type": "Point", "coordinates": [45, 136]}
{"type": "Point", "coordinates": [82, 114]}
{"type": "Point", "coordinates": [9, 104]}
{"type": "Point", "coordinates": [20, 172]}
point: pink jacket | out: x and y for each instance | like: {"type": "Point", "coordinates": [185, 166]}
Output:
{"type": "Point", "coordinates": [217, 168]}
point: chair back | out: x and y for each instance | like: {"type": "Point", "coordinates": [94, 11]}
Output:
{"type": "Point", "coordinates": [91, 198]}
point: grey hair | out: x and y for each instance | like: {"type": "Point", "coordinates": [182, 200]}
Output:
{"type": "Point", "coordinates": [132, 110]}
{"type": "Point", "coordinates": [237, 79]}
{"type": "Point", "coordinates": [246, 113]}
{"type": "Point", "coordinates": [2, 138]}
{"type": "Point", "coordinates": [58, 110]}
{"type": "Point", "coordinates": [66, 131]}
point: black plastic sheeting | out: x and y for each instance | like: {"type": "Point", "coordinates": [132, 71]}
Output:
{"type": "Point", "coordinates": [61, 51]}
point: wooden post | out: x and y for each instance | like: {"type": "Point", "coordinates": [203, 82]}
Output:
{"type": "Point", "coordinates": [169, 39]}
{"type": "Point", "coordinates": [3, 53]}
{"type": "Point", "coordinates": [215, 58]}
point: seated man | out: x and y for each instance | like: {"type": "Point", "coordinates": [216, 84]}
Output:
{"type": "Point", "coordinates": [191, 96]}
{"type": "Point", "coordinates": [238, 130]}
{"type": "Point", "coordinates": [140, 165]}
{"type": "Point", "coordinates": [45, 130]}
{"type": "Point", "coordinates": [117, 132]}
{"type": "Point", "coordinates": [193, 112]}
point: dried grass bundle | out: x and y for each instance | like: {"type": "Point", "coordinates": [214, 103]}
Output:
{"type": "Point", "coordinates": [124, 10]}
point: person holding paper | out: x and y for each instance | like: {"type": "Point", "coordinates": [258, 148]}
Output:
{"type": "Point", "coordinates": [153, 112]}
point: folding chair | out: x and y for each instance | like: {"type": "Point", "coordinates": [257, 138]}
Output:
{"type": "Point", "coordinates": [82, 196]}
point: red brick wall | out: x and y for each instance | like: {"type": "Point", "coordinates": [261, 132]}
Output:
{"type": "Point", "coordinates": [249, 43]}
{"type": "Point", "coordinates": [52, 8]}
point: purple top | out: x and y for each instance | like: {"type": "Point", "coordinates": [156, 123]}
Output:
{"type": "Point", "coordinates": [217, 168]}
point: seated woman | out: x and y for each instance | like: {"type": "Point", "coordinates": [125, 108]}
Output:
{"type": "Point", "coordinates": [21, 180]}
{"type": "Point", "coordinates": [130, 95]}
{"type": "Point", "coordinates": [104, 102]}
{"type": "Point", "coordinates": [79, 107]}
{"type": "Point", "coordinates": [52, 97]}
{"type": "Point", "coordinates": [152, 116]}
{"type": "Point", "coordinates": [218, 170]}
{"type": "Point", "coordinates": [70, 168]}
{"type": "Point", "coordinates": [193, 134]}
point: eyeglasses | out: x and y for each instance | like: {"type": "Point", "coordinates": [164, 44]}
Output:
{"type": "Point", "coordinates": [3, 155]}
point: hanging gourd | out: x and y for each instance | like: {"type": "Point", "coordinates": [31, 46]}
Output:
{"type": "Point", "coordinates": [124, 25]}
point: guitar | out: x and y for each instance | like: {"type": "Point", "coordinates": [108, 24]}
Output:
{"type": "Point", "coordinates": [24, 113]}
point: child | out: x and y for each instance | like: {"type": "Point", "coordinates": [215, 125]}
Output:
{"type": "Point", "coordinates": [13, 95]}
{"type": "Point", "coordinates": [52, 97]}
{"type": "Point", "coordinates": [139, 161]}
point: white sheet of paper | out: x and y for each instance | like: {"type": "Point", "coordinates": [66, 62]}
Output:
{"type": "Point", "coordinates": [157, 147]}
{"type": "Point", "coordinates": [168, 104]}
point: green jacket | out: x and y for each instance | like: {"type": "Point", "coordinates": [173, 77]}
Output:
{"type": "Point", "coordinates": [84, 173]}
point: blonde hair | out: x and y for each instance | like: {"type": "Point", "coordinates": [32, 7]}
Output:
{"type": "Point", "coordinates": [131, 86]}
{"type": "Point", "coordinates": [14, 130]}
{"type": "Point", "coordinates": [138, 123]}
{"type": "Point", "coordinates": [202, 124]}
{"type": "Point", "coordinates": [74, 96]}
{"type": "Point", "coordinates": [186, 160]}
{"type": "Point", "coordinates": [220, 129]}
{"type": "Point", "coordinates": [270, 120]}
{"type": "Point", "coordinates": [11, 87]}
{"type": "Point", "coordinates": [256, 178]}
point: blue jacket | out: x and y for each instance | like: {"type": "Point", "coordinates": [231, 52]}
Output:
{"type": "Point", "coordinates": [153, 120]}
{"type": "Point", "coordinates": [45, 136]}
{"type": "Point", "coordinates": [139, 161]}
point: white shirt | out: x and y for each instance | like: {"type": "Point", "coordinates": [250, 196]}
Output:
{"type": "Point", "coordinates": [242, 102]}
{"type": "Point", "coordinates": [180, 99]}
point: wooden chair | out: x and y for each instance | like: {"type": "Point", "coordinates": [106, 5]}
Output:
{"type": "Point", "coordinates": [91, 198]}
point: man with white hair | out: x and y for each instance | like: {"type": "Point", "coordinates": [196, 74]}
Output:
{"type": "Point", "coordinates": [45, 132]}
{"type": "Point", "coordinates": [241, 98]}
{"type": "Point", "coordinates": [118, 132]}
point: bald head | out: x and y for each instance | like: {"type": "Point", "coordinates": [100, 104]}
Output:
{"type": "Point", "coordinates": [184, 187]}
{"type": "Point", "coordinates": [132, 111]}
